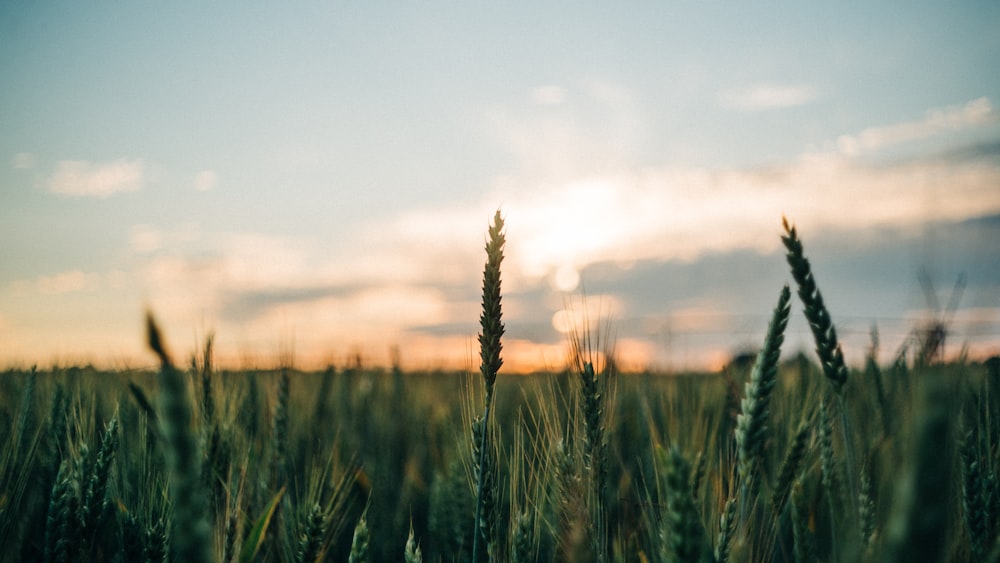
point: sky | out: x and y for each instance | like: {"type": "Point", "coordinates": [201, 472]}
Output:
{"type": "Point", "coordinates": [319, 177]}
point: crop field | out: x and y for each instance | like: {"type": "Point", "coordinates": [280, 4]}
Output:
{"type": "Point", "coordinates": [787, 458]}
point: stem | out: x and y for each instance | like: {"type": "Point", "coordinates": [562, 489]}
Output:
{"type": "Point", "coordinates": [479, 486]}
{"type": "Point", "coordinates": [849, 453]}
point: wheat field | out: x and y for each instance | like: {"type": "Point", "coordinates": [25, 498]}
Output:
{"type": "Point", "coordinates": [792, 458]}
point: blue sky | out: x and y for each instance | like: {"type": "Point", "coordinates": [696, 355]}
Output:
{"type": "Point", "coordinates": [324, 173]}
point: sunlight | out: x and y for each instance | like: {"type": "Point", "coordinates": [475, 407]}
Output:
{"type": "Point", "coordinates": [565, 228]}
{"type": "Point", "coordinates": [566, 278]}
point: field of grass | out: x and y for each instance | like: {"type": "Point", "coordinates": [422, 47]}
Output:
{"type": "Point", "coordinates": [801, 459]}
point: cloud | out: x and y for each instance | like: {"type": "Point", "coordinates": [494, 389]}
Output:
{"type": "Point", "coordinates": [23, 161]}
{"type": "Point", "coordinates": [414, 276]}
{"type": "Point", "coordinates": [557, 228]}
{"type": "Point", "coordinates": [768, 96]}
{"type": "Point", "coordinates": [249, 303]}
{"type": "Point", "coordinates": [976, 113]}
{"type": "Point", "coordinates": [56, 284]}
{"type": "Point", "coordinates": [252, 285]}
{"type": "Point", "coordinates": [243, 276]}
{"type": "Point", "coordinates": [206, 180]}
{"type": "Point", "coordinates": [78, 178]}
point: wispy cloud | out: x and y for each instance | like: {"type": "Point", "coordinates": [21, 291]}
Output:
{"type": "Point", "coordinates": [79, 178]}
{"type": "Point", "coordinates": [975, 113]}
{"type": "Point", "coordinates": [245, 275]}
{"type": "Point", "coordinates": [249, 286]}
{"type": "Point", "coordinates": [63, 282]}
{"type": "Point", "coordinates": [768, 96]}
{"type": "Point", "coordinates": [680, 214]}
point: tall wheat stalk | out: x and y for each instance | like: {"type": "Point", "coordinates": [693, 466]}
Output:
{"type": "Point", "coordinates": [490, 361]}
{"type": "Point", "coordinates": [751, 424]}
{"type": "Point", "coordinates": [596, 395]}
{"type": "Point", "coordinates": [190, 529]}
{"type": "Point", "coordinates": [827, 345]}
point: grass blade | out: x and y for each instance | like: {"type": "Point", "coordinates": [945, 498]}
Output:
{"type": "Point", "coordinates": [251, 546]}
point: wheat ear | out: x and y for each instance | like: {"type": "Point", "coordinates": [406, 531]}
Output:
{"type": "Point", "coordinates": [359, 545]}
{"type": "Point", "coordinates": [827, 345]}
{"type": "Point", "coordinates": [411, 552]}
{"type": "Point", "coordinates": [727, 527]}
{"type": "Point", "coordinates": [751, 424]}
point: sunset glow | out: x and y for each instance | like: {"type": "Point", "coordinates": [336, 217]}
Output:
{"type": "Point", "coordinates": [325, 176]}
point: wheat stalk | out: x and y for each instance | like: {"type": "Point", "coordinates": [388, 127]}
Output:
{"type": "Point", "coordinates": [279, 443]}
{"type": "Point", "coordinates": [684, 532]}
{"type": "Point", "coordinates": [805, 547]}
{"type": "Point", "coordinates": [866, 507]}
{"type": "Point", "coordinates": [311, 540]}
{"type": "Point", "coordinates": [490, 361]}
{"type": "Point", "coordinates": [523, 543]}
{"type": "Point", "coordinates": [828, 459]}
{"type": "Point", "coordinates": [698, 475]}
{"type": "Point", "coordinates": [490, 320]}
{"type": "Point", "coordinates": [60, 515]}
{"type": "Point", "coordinates": [751, 424]}
{"type": "Point", "coordinates": [190, 529]}
{"type": "Point", "coordinates": [95, 503]}
{"type": "Point", "coordinates": [727, 526]}
{"type": "Point", "coordinates": [790, 467]}
{"type": "Point", "coordinates": [875, 372]}
{"type": "Point", "coordinates": [825, 335]}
